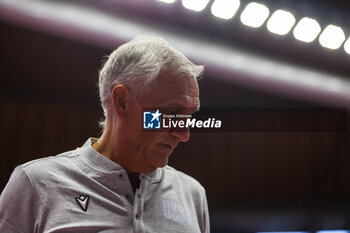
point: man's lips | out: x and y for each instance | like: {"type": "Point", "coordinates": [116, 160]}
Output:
{"type": "Point", "coordinates": [167, 145]}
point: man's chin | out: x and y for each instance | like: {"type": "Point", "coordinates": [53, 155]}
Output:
{"type": "Point", "coordinates": [161, 160]}
{"type": "Point", "coordinates": [162, 165]}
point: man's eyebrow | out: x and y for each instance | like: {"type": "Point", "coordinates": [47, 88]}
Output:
{"type": "Point", "coordinates": [176, 106]}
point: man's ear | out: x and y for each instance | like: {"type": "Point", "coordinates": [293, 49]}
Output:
{"type": "Point", "coordinates": [121, 100]}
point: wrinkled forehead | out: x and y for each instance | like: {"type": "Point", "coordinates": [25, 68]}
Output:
{"type": "Point", "coordinates": [179, 92]}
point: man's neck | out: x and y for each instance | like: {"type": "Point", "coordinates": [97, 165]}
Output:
{"type": "Point", "coordinates": [114, 148]}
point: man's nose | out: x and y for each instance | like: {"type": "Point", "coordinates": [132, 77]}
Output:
{"type": "Point", "coordinates": [183, 135]}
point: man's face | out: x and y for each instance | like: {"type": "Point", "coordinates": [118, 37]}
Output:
{"type": "Point", "coordinates": [181, 95]}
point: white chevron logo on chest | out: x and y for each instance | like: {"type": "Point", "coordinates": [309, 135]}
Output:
{"type": "Point", "coordinates": [83, 201]}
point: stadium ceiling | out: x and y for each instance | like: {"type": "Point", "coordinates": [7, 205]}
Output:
{"type": "Point", "coordinates": [233, 52]}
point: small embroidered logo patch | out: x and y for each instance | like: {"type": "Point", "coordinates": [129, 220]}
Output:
{"type": "Point", "coordinates": [83, 201]}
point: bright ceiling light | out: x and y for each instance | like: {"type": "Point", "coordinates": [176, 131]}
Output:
{"type": "Point", "coordinates": [195, 5]}
{"type": "Point", "coordinates": [281, 22]}
{"type": "Point", "coordinates": [167, 1]}
{"type": "Point", "coordinates": [332, 37]}
{"type": "Point", "coordinates": [347, 46]}
{"type": "Point", "coordinates": [254, 15]}
{"type": "Point", "coordinates": [225, 9]}
{"type": "Point", "coordinates": [307, 30]}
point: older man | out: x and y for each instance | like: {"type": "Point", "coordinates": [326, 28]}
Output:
{"type": "Point", "coordinates": [121, 181]}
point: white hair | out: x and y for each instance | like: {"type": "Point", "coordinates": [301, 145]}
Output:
{"type": "Point", "coordinates": [137, 63]}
